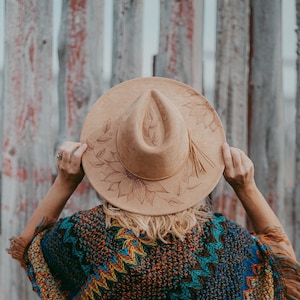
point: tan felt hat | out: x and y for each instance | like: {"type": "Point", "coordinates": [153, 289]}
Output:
{"type": "Point", "coordinates": [154, 146]}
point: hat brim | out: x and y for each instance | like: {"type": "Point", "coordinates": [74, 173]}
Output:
{"type": "Point", "coordinates": [110, 179]}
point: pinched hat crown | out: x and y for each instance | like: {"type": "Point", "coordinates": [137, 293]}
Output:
{"type": "Point", "coordinates": [148, 137]}
{"type": "Point", "coordinates": [154, 146]}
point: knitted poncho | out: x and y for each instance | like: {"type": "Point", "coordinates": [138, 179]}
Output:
{"type": "Point", "coordinates": [79, 258]}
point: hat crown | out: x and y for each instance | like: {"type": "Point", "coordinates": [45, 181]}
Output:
{"type": "Point", "coordinates": [152, 137]}
{"type": "Point", "coordinates": [154, 146]}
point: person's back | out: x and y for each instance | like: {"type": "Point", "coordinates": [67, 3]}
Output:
{"type": "Point", "coordinates": [216, 260]}
{"type": "Point", "coordinates": [154, 149]}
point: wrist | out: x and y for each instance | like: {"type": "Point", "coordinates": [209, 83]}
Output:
{"type": "Point", "coordinates": [246, 187]}
{"type": "Point", "coordinates": [64, 187]}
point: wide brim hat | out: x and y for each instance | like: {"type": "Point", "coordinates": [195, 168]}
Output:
{"type": "Point", "coordinates": [154, 146]}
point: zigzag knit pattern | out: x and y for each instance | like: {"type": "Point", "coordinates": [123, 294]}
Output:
{"type": "Point", "coordinates": [110, 271]}
{"type": "Point", "coordinates": [204, 271]}
{"type": "Point", "coordinates": [88, 261]}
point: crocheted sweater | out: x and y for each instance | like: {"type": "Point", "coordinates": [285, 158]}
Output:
{"type": "Point", "coordinates": [79, 258]}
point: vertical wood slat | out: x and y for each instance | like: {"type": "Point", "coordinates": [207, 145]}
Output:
{"type": "Point", "coordinates": [1, 143]}
{"type": "Point", "coordinates": [80, 77]}
{"type": "Point", "coordinates": [127, 40]}
{"type": "Point", "coordinates": [296, 202]}
{"type": "Point", "coordinates": [197, 53]}
{"type": "Point", "coordinates": [231, 90]}
{"type": "Point", "coordinates": [266, 114]}
{"type": "Point", "coordinates": [180, 41]}
{"type": "Point", "coordinates": [27, 140]}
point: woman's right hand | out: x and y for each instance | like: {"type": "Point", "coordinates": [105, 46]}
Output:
{"type": "Point", "coordinates": [70, 172]}
{"type": "Point", "coordinates": [239, 173]}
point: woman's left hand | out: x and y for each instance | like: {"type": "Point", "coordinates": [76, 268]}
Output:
{"type": "Point", "coordinates": [70, 172]}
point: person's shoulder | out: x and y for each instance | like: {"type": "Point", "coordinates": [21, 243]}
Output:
{"type": "Point", "coordinates": [83, 219]}
{"type": "Point", "coordinates": [231, 237]}
{"type": "Point", "coordinates": [229, 227]}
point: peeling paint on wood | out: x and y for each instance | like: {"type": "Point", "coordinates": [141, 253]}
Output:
{"type": "Point", "coordinates": [266, 131]}
{"type": "Point", "coordinates": [27, 140]}
{"type": "Point", "coordinates": [127, 40]}
{"type": "Point", "coordinates": [231, 90]}
{"type": "Point", "coordinates": [80, 57]}
{"type": "Point", "coordinates": [180, 42]}
{"type": "Point", "coordinates": [80, 77]}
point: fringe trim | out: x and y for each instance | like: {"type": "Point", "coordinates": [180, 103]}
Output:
{"type": "Point", "coordinates": [19, 245]}
{"type": "Point", "coordinates": [274, 234]}
{"type": "Point", "coordinates": [17, 248]}
{"type": "Point", "coordinates": [283, 262]}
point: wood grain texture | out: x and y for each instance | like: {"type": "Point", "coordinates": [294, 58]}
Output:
{"type": "Point", "coordinates": [127, 40]}
{"type": "Point", "coordinates": [248, 97]}
{"type": "Point", "coordinates": [27, 137]}
{"type": "Point", "coordinates": [266, 114]}
{"type": "Point", "coordinates": [296, 198]}
{"type": "Point", "coordinates": [180, 41]}
{"type": "Point", "coordinates": [231, 90]}
{"type": "Point", "coordinates": [80, 58]}
{"type": "Point", "coordinates": [80, 78]}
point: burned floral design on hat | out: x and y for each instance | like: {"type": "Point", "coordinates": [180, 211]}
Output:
{"type": "Point", "coordinates": [203, 112]}
{"type": "Point", "coordinates": [156, 150]}
{"type": "Point", "coordinates": [122, 183]}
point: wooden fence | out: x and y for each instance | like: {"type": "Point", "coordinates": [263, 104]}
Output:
{"type": "Point", "coordinates": [248, 97]}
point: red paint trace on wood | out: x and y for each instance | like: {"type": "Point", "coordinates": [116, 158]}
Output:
{"type": "Point", "coordinates": [183, 19]}
{"type": "Point", "coordinates": [42, 176]}
{"type": "Point", "coordinates": [82, 188]}
{"type": "Point", "coordinates": [25, 205]}
{"type": "Point", "coordinates": [22, 207]}
{"type": "Point", "coordinates": [7, 167]}
{"type": "Point", "coordinates": [22, 174]}
{"type": "Point", "coordinates": [5, 207]}
{"type": "Point", "coordinates": [272, 200]}
{"type": "Point", "coordinates": [76, 58]}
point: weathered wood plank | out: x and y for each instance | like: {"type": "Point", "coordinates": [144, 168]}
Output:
{"type": "Point", "coordinates": [266, 114]}
{"type": "Point", "coordinates": [296, 200]}
{"type": "Point", "coordinates": [127, 40]}
{"type": "Point", "coordinates": [231, 90]}
{"type": "Point", "coordinates": [1, 142]}
{"type": "Point", "coordinates": [80, 77]}
{"type": "Point", "coordinates": [80, 59]}
{"type": "Point", "coordinates": [180, 41]}
{"type": "Point", "coordinates": [27, 140]}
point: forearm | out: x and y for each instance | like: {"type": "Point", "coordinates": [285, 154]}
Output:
{"type": "Point", "coordinates": [262, 216]}
{"type": "Point", "coordinates": [258, 210]}
{"type": "Point", "coordinates": [50, 207]}
{"type": "Point", "coordinates": [239, 173]}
